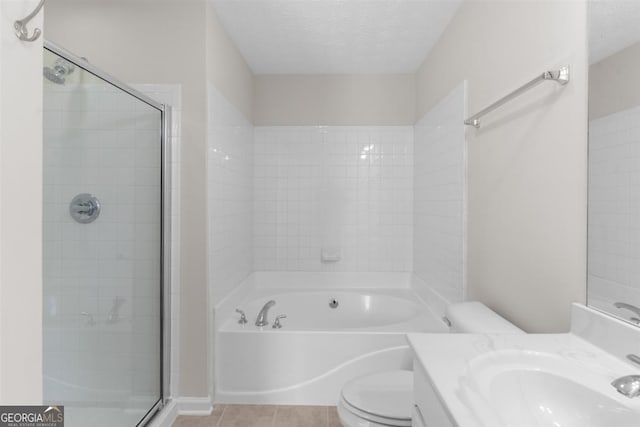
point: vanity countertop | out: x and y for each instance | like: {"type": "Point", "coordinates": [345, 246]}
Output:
{"type": "Point", "coordinates": [486, 380]}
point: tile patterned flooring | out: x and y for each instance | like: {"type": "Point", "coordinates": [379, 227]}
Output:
{"type": "Point", "coordinates": [264, 416]}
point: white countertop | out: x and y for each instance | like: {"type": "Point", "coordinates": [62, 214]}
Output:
{"type": "Point", "coordinates": [462, 366]}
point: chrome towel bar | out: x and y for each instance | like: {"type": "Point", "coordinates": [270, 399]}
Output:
{"type": "Point", "coordinates": [561, 76]}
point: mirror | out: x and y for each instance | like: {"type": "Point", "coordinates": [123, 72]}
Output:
{"type": "Point", "coordinates": [613, 277]}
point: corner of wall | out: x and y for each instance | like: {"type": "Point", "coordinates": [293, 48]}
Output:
{"type": "Point", "coordinates": [439, 240]}
{"type": "Point", "coordinates": [227, 70]}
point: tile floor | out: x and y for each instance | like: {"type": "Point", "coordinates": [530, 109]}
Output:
{"type": "Point", "coordinates": [264, 416]}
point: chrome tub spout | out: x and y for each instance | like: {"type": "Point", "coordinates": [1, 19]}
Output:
{"type": "Point", "coordinates": [262, 316]}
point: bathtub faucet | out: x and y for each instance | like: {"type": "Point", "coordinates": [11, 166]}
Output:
{"type": "Point", "coordinates": [262, 316]}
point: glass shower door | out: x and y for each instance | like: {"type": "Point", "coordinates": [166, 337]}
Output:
{"type": "Point", "coordinates": [102, 247]}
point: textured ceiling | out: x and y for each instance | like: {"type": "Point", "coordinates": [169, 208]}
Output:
{"type": "Point", "coordinates": [613, 25]}
{"type": "Point", "coordinates": [335, 36]}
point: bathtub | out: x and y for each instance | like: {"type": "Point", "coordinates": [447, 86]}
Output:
{"type": "Point", "coordinates": [318, 348]}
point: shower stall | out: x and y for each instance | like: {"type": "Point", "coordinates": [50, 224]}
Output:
{"type": "Point", "coordinates": [105, 246]}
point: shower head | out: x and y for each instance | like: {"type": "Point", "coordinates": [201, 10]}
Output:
{"type": "Point", "coordinates": [52, 76]}
{"type": "Point", "coordinates": [61, 69]}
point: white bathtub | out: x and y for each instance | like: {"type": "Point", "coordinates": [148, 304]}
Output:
{"type": "Point", "coordinates": [319, 348]}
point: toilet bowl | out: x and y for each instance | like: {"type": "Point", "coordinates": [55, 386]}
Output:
{"type": "Point", "coordinates": [386, 398]}
{"type": "Point", "coordinates": [382, 399]}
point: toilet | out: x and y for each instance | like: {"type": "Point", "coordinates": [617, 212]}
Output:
{"type": "Point", "coordinates": [386, 398]}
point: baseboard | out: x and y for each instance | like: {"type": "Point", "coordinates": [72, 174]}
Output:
{"type": "Point", "coordinates": [182, 406]}
{"type": "Point", "coordinates": [194, 405]}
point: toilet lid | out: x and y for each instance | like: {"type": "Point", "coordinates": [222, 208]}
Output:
{"type": "Point", "coordinates": [387, 394]}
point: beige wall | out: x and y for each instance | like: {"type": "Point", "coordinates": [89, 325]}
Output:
{"type": "Point", "coordinates": [610, 90]}
{"type": "Point", "coordinates": [142, 43]}
{"type": "Point", "coordinates": [20, 209]}
{"type": "Point", "coordinates": [291, 100]}
{"type": "Point", "coordinates": [226, 68]}
{"type": "Point", "coordinates": [527, 177]}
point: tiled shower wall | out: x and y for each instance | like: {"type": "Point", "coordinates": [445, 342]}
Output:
{"type": "Point", "coordinates": [614, 210]}
{"type": "Point", "coordinates": [230, 169]}
{"type": "Point", "coordinates": [439, 198]}
{"type": "Point", "coordinates": [333, 198]}
{"type": "Point", "coordinates": [337, 198]}
{"type": "Point", "coordinates": [99, 141]}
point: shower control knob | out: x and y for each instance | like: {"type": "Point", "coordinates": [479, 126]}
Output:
{"type": "Point", "coordinates": [84, 208]}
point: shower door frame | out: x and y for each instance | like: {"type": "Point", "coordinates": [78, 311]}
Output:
{"type": "Point", "coordinates": [165, 218]}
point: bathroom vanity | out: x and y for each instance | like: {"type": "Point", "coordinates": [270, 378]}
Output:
{"type": "Point", "coordinates": [426, 399]}
{"type": "Point", "coordinates": [494, 380]}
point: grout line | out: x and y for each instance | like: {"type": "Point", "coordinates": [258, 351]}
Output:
{"type": "Point", "coordinates": [275, 415]}
{"type": "Point", "coordinates": [219, 423]}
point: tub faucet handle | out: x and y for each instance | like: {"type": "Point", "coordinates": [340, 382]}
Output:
{"type": "Point", "coordinates": [276, 323]}
{"type": "Point", "coordinates": [90, 320]}
{"type": "Point", "coordinates": [243, 317]}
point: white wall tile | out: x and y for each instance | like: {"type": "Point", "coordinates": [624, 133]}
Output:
{"type": "Point", "coordinates": [89, 265]}
{"type": "Point", "coordinates": [230, 170]}
{"type": "Point", "coordinates": [347, 189]}
{"type": "Point", "coordinates": [439, 197]}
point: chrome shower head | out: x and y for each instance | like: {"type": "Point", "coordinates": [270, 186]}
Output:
{"type": "Point", "coordinates": [52, 76]}
{"type": "Point", "coordinates": [61, 69]}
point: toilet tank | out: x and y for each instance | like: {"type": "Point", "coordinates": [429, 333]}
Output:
{"type": "Point", "coordinates": [475, 317]}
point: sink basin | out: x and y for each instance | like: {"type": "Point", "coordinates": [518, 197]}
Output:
{"type": "Point", "coordinates": [517, 388]}
{"type": "Point", "coordinates": [533, 380]}
{"type": "Point", "coordinates": [538, 398]}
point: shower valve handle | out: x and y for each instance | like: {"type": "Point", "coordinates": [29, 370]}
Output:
{"type": "Point", "coordinates": [84, 208]}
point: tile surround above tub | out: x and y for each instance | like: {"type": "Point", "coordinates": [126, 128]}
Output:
{"type": "Point", "coordinates": [345, 189]}
{"type": "Point", "coordinates": [440, 199]}
{"type": "Point", "coordinates": [230, 194]}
